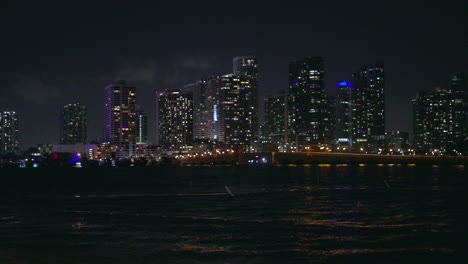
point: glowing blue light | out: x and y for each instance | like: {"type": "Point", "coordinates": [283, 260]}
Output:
{"type": "Point", "coordinates": [215, 112]}
{"type": "Point", "coordinates": [345, 83]}
{"type": "Point", "coordinates": [295, 81]}
{"type": "Point", "coordinates": [75, 158]}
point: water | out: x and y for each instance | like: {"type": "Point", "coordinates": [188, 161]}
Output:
{"type": "Point", "coordinates": [303, 214]}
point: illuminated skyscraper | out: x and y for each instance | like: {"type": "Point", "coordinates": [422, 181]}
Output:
{"type": "Point", "coordinates": [308, 102]}
{"type": "Point", "coordinates": [368, 107]}
{"type": "Point", "coordinates": [223, 109]}
{"type": "Point", "coordinates": [343, 118]}
{"type": "Point", "coordinates": [458, 108]}
{"type": "Point", "coordinates": [120, 114]}
{"type": "Point", "coordinates": [142, 128]}
{"type": "Point", "coordinates": [439, 118]}
{"type": "Point", "coordinates": [246, 67]}
{"type": "Point", "coordinates": [73, 124]}
{"type": "Point", "coordinates": [276, 120]}
{"type": "Point", "coordinates": [9, 128]}
{"type": "Point", "coordinates": [175, 110]}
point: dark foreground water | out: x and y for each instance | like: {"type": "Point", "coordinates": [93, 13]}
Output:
{"type": "Point", "coordinates": [310, 214]}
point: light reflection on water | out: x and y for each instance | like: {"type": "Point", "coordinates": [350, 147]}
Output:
{"type": "Point", "coordinates": [284, 214]}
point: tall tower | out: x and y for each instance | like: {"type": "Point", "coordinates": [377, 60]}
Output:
{"type": "Point", "coordinates": [175, 119]}
{"type": "Point", "coordinates": [439, 118]}
{"type": "Point", "coordinates": [276, 120]}
{"type": "Point", "coordinates": [120, 113]}
{"type": "Point", "coordinates": [308, 102]}
{"type": "Point", "coordinates": [247, 67]}
{"type": "Point", "coordinates": [459, 125]}
{"type": "Point", "coordinates": [73, 124]}
{"type": "Point", "coordinates": [368, 106]}
{"type": "Point", "coordinates": [142, 128]}
{"type": "Point", "coordinates": [343, 130]}
{"type": "Point", "coordinates": [9, 128]}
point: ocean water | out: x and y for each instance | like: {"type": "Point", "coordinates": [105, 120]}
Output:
{"type": "Point", "coordinates": [280, 214]}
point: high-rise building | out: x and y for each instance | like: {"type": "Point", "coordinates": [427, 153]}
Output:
{"type": "Point", "coordinates": [308, 102]}
{"type": "Point", "coordinates": [246, 67]}
{"type": "Point", "coordinates": [9, 127]}
{"type": "Point", "coordinates": [276, 120]}
{"type": "Point", "coordinates": [459, 126]}
{"type": "Point", "coordinates": [206, 125]}
{"type": "Point", "coordinates": [368, 107]}
{"type": "Point", "coordinates": [439, 118]}
{"type": "Point", "coordinates": [120, 114]}
{"type": "Point", "coordinates": [234, 112]}
{"type": "Point", "coordinates": [142, 128]}
{"type": "Point", "coordinates": [175, 110]}
{"type": "Point", "coordinates": [223, 110]}
{"type": "Point", "coordinates": [73, 124]}
{"type": "Point", "coordinates": [343, 118]}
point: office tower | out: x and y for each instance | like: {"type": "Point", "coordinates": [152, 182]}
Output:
{"type": "Point", "coordinates": [439, 118]}
{"type": "Point", "coordinates": [343, 118]}
{"type": "Point", "coordinates": [9, 128]}
{"type": "Point", "coordinates": [141, 128]}
{"type": "Point", "coordinates": [431, 120]}
{"type": "Point", "coordinates": [235, 111]}
{"type": "Point", "coordinates": [223, 110]}
{"type": "Point", "coordinates": [202, 116]}
{"type": "Point", "coordinates": [175, 110]}
{"type": "Point", "coordinates": [458, 108]}
{"type": "Point", "coordinates": [246, 67]}
{"type": "Point", "coordinates": [329, 120]}
{"type": "Point", "coordinates": [308, 102]}
{"type": "Point", "coordinates": [73, 124]}
{"type": "Point", "coordinates": [120, 114]}
{"type": "Point", "coordinates": [206, 124]}
{"type": "Point", "coordinates": [276, 120]}
{"type": "Point", "coordinates": [368, 106]}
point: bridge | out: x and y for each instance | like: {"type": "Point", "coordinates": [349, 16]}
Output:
{"type": "Point", "coordinates": [284, 158]}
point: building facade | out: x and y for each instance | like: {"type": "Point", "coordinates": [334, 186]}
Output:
{"type": "Point", "coordinates": [368, 107]}
{"type": "Point", "coordinates": [308, 103]}
{"type": "Point", "coordinates": [9, 129]}
{"type": "Point", "coordinates": [440, 118]}
{"type": "Point", "coordinates": [175, 108]}
{"type": "Point", "coordinates": [120, 114]}
{"type": "Point", "coordinates": [142, 128]}
{"type": "Point", "coordinates": [343, 115]}
{"type": "Point", "coordinates": [246, 67]}
{"type": "Point", "coordinates": [73, 124]}
{"type": "Point", "coordinates": [276, 126]}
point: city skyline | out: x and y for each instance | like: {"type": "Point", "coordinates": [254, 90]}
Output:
{"type": "Point", "coordinates": [122, 85]}
{"type": "Point", "coordinates": [167, 46]}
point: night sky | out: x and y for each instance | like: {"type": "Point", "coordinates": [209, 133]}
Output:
{"type": "Point", "coordinates": [55, 53]}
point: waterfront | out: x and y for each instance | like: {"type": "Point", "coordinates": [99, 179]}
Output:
{"type": "Point", "coordinates": [276, 214]}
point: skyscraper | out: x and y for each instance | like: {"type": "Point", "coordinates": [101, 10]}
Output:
{"type": "Point", "coordinates": [120, 114]}
{"type": "Point", "coordinates": [223, 110]}
{"type": "Point", "coordinates": [308, 102]}
{"type": "Point", "coordinates": [459, 125]}
{"type": "Point", "coordinates": [343, 118]}
{"type": "Point", "coordinates": [276, 120]}
{"type": "Point", "coordinates": [247, 67]}
{"type": "Point", "coordinates": [175, 110]}
{"type": "Point", "coordinates": [206, 124]}
{"type": "Point", "coordinates": [9, 128]}
{"type": "Point", "coordinates": [368, 107]}
{"type": "Point", "coordinates": [431, 120]}
{"type": "Point", "coordinates": [73, 124]}
{"type": "Point", "coordinates": [439, 118]}
{"type": "Point", "coordinates": [142, 128]}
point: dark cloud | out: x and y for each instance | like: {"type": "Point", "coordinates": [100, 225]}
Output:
{"type": "Point", "coordinates": [30, 89]}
